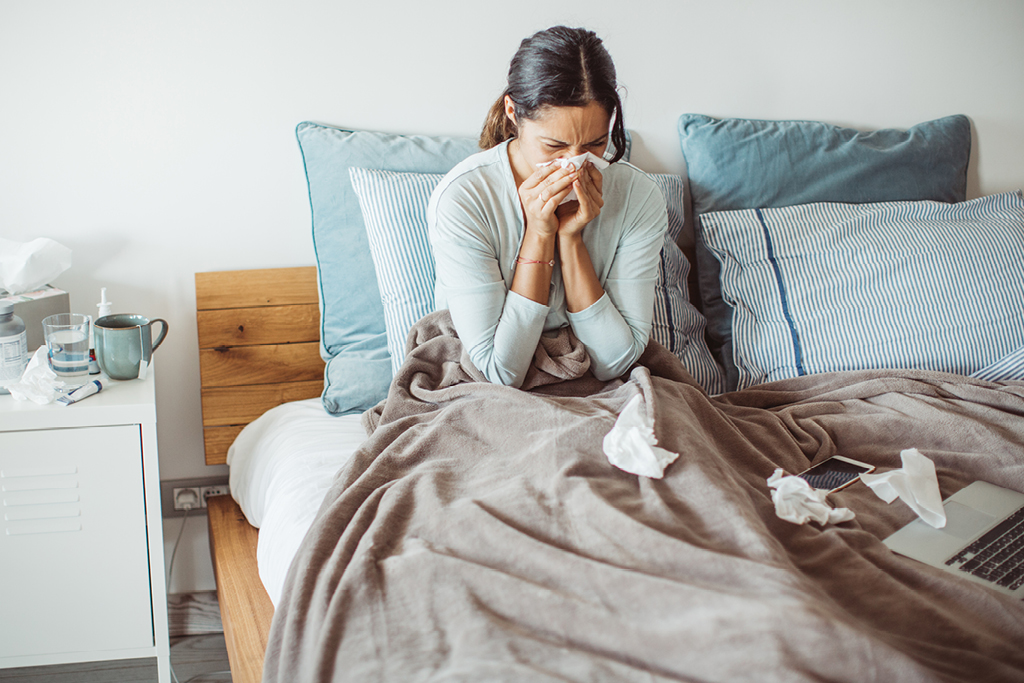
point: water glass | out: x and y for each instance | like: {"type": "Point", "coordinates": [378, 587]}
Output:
{"type": "Point", "coordinates": [67, 342]}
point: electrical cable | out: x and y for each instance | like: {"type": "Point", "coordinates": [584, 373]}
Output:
{"type": "Point", "coordinates": [170, 573]}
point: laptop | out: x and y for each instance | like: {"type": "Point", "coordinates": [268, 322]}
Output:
{"type": "Point", "coordinates": [983, 539]}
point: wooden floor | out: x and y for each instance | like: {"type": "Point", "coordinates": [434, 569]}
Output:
{"type": "Point", "coordinates": [198, 653]}
{"type": "Point", "coordinates": [199, 659]}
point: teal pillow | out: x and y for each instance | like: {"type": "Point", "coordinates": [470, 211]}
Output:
{"type": "Point", "coordinates": [748, 164]}
{"type": "Point", "coordinates": [352, 332]}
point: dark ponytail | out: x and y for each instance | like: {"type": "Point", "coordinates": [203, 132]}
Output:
{"type": "Point", "coordinates": [558, 67]}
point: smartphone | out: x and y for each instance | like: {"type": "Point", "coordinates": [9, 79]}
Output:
{"type": "Point", "coordinates": [835, 473]}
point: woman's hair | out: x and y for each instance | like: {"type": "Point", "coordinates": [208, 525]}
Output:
{"type": "Point", "coordinates": [558, 67]}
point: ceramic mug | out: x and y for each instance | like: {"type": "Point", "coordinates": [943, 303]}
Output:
{"type": "Point", "coordinates": [124, 344]}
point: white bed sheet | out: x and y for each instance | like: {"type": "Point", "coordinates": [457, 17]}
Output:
{"type": "Point", "coordinates": [282, 465]}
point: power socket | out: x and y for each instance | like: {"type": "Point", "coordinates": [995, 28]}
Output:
{"type": "Point", "coordinates": [207, 491]}
{"type": "Point", "coordinates": [188, 498]}
{"type": "Point", "coordinates": [176, 494]}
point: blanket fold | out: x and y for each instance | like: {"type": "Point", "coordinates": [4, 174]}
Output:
{"type": "Point", "coordinates": [481, 534]}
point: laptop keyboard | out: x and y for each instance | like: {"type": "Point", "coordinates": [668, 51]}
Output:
{"type": "Point", "coordinates": [998, 556]}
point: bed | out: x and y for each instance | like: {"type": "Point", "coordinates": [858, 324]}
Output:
{"type": "Point", "coordinates": [418, 523]}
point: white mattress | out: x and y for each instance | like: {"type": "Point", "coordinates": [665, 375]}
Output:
{"type": "Point", "coordinates": [281, 467]}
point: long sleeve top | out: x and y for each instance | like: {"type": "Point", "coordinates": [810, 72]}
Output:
{"type": "Point", "coordinates": [476, 227]}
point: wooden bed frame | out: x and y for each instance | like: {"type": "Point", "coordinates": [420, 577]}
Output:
{"type": "Point", "coordinates": [259, 347]}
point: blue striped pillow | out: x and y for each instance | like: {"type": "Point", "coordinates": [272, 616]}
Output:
{"type": "Point", "coordinates": [1010, 367]}
{"type": "Point", "coordinates": [678, 326]}
{"type": "Point", "coordinates": [830, 287]}
{"type": "Point", "coordinates": [394, 207]}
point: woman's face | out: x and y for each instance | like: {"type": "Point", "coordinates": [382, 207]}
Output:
{"type": "Point", "coordinates": [559, 133]}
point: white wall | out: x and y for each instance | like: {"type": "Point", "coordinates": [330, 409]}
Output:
{"type": "Point", "coordinates": [156, 139]}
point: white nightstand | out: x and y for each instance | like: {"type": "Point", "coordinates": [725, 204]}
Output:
{"type": "Point", "coordinates": [81, 544]}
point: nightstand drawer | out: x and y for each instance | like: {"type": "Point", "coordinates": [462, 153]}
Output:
{"type": "Point", "coordinates": [74, 565]}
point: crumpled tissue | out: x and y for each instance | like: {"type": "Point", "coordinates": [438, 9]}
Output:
{"type": "Point", "coordinates": [38, 382]}
{"type": "Point", "coordinates": [798, 502]}
{"type": "Point", "coordinates": [631, 446]}
{"type": "Point", "coordinates": [915, 483]}
{"type": "Point", "coordinates": [27, 266]}
{"type": "Point", "coordinates": [577, 161]}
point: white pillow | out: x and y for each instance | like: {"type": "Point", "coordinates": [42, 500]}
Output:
{"type": "Point", "coordinates": [394, 207]}
{"type": "Point", "coordinates": [829, 287]}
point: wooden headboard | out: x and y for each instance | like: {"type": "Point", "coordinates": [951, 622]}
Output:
{"type": "Point", "coordinates": [259, 347]}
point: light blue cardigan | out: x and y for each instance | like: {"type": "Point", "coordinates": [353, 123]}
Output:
{"type": "Point", "coordinates": [476, 228]}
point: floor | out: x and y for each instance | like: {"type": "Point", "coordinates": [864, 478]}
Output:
{"type": "Point", "coordinates": [198, 659]}
{"type": "Point", "coordinates": [198, 653]}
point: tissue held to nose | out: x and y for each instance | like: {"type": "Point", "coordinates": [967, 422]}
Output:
{"type": "Point", "coordinates": [577, 161]}
{"type": "Point", "coordinates": [631, 446]}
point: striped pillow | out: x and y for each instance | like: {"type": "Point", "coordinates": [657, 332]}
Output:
{"type": "Point", "coordinates": [1009, 367]}
{"type": "Point", "coordinates": [678, 326]}
{"type": "Point", "coordinates": [830, 287]}
{"type": "Point", "coordinates": [394, 207]}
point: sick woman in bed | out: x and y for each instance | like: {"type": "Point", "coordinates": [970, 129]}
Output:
{"type": "Point", "coordinates": [513, 261]}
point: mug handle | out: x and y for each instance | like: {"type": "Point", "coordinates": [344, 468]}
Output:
{"type": "Point", "coordinates": [163, 332]}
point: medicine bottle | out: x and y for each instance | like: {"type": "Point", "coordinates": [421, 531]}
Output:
{"type": "Point", "coordinates": [13, 347]}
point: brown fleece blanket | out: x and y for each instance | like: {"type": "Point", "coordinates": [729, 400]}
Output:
{"type": "Point", "coordinates": [480, 534]}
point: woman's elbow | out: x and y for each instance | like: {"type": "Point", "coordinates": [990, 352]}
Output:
{"type": "Point", "coordinates": [505, 379]}
{"type": "Point", "coordinates": [606, 371]}
{"type": "Point", "coordinates": [498, 374]}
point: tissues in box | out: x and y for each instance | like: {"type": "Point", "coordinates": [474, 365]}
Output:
{"type": "Point", "coordinates": [32, 307]}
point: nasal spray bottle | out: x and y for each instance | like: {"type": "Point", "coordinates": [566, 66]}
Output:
{"type": "Point", "coordinates": [104, 306]}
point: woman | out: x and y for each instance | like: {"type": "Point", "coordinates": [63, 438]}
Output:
{"type": "Point", "coordinates": [512, 261]}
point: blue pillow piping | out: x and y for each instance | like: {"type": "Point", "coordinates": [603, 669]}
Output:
{"type": "Point", "coordinates": [316, 254]}
{"type": "Point", "coordinates": [797, 353]}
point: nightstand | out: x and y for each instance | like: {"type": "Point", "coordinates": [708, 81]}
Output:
{"type": "Point", "coordinates": [81, 549]}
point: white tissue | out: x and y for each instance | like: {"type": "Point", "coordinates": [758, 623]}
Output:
{"type": "Point", "coordinates": [577, 161]}
{"type": "Point", "coordinates": [915, 483]}
{"type": "Point", "coordinates": [798, 502]}
{"type": "Point", "coordinates": [38, 382]}
{"type": "Point", "coordinates": [27, 266]}
{"type": "Point", "coordinates": [631, 446]}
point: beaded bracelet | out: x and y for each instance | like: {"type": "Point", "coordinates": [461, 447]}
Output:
{"type": "Point", "coordinates": [520, 259]}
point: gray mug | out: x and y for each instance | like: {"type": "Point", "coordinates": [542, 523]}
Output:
{"type": "Point", "coordinates": [124, 344]}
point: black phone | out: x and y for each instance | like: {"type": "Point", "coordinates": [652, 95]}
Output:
{"type": "Point", "coordinates": [835, 473]}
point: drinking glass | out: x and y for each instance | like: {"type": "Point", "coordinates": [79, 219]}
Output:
{"type": "Point", "coordinates": [67, 341]}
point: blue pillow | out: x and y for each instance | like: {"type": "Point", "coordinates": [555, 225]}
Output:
{"type": "Point", "coordinates": [352, 334]}
{"type": "Point", "coordinates": [394, 208]}
{"type": "Point", "coordinates": [832, 287]}
{"type": "Point", "coordinates": [746, 164]}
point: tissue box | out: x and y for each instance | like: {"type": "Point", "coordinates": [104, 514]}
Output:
{"type": "Point", "coordinates": [32, 307]}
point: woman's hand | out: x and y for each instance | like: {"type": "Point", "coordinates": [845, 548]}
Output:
{"type": "Point", "coordinates": [540, 195]}
{"type": "Point", "coordinates": [574, 216]}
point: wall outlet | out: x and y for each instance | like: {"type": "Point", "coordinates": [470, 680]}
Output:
{"type": "Point", "coordinates": [176, 494]}
{"type": "Point", "coordinates": [187, 498]}
{"type": "Point", "coordinates": [207, 491]}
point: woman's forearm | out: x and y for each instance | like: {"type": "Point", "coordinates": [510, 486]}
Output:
{"type": "Point", "coordinates": [532, 278]}
{"type": "Point", "coordinates": [582, 288]}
